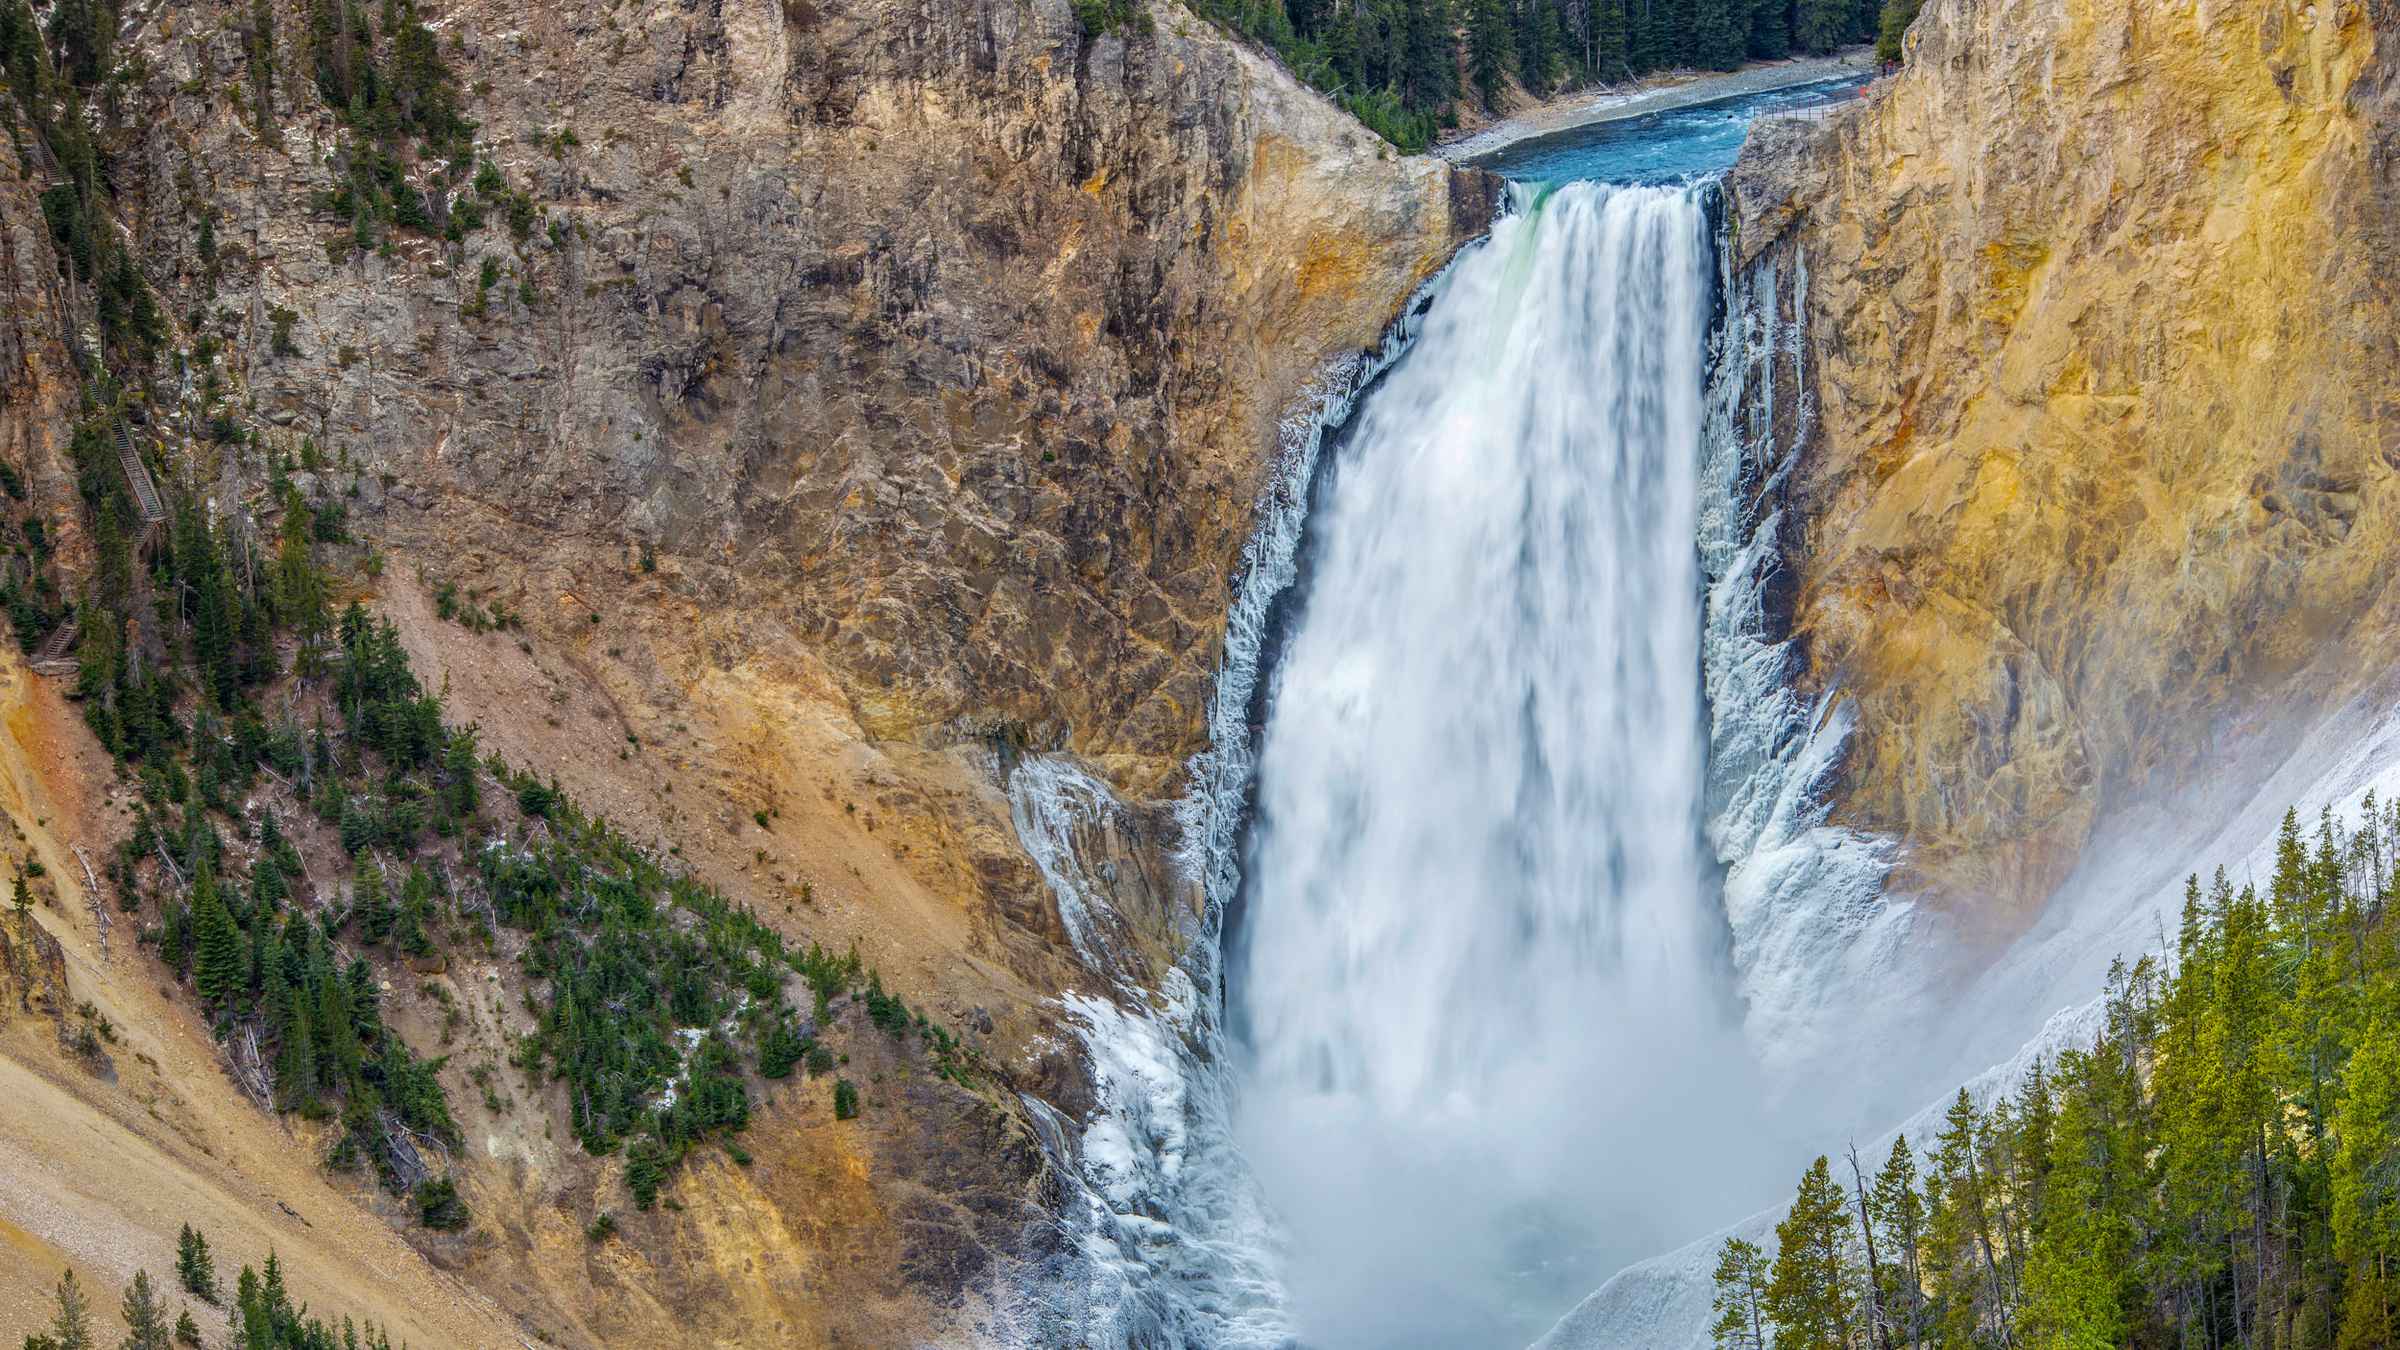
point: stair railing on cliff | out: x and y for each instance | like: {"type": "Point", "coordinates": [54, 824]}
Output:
{"type": "Point", "coordinates": [56, 656]}
{"type": "Point", "coordinates": [137, 477]}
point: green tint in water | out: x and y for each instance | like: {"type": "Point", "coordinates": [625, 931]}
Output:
{"type": "Point", "coordinates": [1671, 146]}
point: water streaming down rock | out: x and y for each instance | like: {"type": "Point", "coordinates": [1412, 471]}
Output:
{"type": "Point", "coordinates": [1167, 1240]}
{"type": "Point", "coordinates": [1493, 1044]}
{"type": "Point", "coordinates": [1474, 1083]}
{"type": "Point", "coordinates": [1830, 965]}
{"type": "Point", "coordinates": [1819, 945]}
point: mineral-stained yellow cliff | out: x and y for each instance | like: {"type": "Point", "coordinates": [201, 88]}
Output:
{"type": "Point", "coordinates": [2101, 306]}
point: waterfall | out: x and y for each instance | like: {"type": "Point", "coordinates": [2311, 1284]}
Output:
{"type": "Point", "coordinates": [1493, 1043]}
{"type": "Point", "coordinates": [1539, 913]}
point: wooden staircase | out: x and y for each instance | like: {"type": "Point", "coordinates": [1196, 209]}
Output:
{"type": "Point", "coordinates": [57, 653]}
{"type": "Point", "coordinates": [137, 477]}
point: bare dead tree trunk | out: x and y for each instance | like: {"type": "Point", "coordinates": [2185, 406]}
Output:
{"type": "Point", "coordinates": [91, 896]}
{"type": "Point", "coordinates": [1878, 1328]}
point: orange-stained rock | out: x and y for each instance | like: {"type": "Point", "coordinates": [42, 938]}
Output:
{"type": "Point", "coordinates": [2101, 310]}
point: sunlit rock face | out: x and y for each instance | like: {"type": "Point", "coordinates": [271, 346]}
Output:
{"type": "Point", "coordinates": [2102, 333]}
{"type": "Point", "coordinates": [876, 392]}
{"type": "Point", "coordinates": [895, 380]}
{"type": "Point", "coordinates": [950, 336]}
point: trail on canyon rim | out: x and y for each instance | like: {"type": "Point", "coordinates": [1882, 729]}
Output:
{"type": "Point", "coordinates": [1490, 1042]}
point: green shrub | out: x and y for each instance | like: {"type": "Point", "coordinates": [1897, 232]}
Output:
{"type": "Point", "coordinates": [1099, 18]}
{"type": "Point", "coordinates": [645, 1169]}
{"type": "Point", "coordinates": [782, 1047]}
{"type": "Point", "coordinates": [439, 1206]}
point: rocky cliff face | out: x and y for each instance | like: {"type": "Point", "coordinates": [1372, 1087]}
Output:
{"type": "Point", "coordinates": [939, 339]}
{"type": "Point", "coordinates": [888, 379]}
{"type": "Point", "coordinates": [873, 391]}
{"type": "Point", "coordinates": [2101, 310]}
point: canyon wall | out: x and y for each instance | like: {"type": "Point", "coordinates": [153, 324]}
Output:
{"type": "Point", "coordinates": [877, 390]}
{"type": "Point", "coordinates": [884, 375]}
{"type": "Point", "coordinates": [2100, 299]}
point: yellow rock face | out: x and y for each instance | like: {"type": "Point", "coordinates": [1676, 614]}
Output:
{"type": "Point", "coordinates": [2100, 299]}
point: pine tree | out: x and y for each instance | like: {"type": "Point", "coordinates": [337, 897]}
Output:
{"type": "Point", "coordinates": [20, 897]}
{"type": "Point", "coordinates": [464, 792]}
{"type": "Point", "coordinates": [1649, 41]}
{"type": "Point", "coordinates": [1429, 76]}
{"type": "Point", "coordinates": [222, 967]}
{"type": "Point", "coordinates": [1893, 28]}
{"type": "Point", "coordinates": [81, 31]}
{"type": "Point", "coordinates": [1491, 50]}
{"type": "Point", "coordinates": [1811, 1297]}
{"type": "Point", "coordinates": [1770, 30]}
{"type": "Point", "coordinates": [20, 44]}
{"type": "Point", "coordinates": [258, 951]}
{"type": "Point", "coordinates": [1959, 1229]}
{"type": "Point", "coordinates": [194, 1267]}
{"type": "Point", "coordinates": [272, 1295]}
{"type": "Point", "coordinates": [1719, 33]}
{"type": "Point", "coordinates": [1539, 36]}
{"type": "Point", "coordinates": [1607, 43]}
{"type": "Point", "coordinates": [1865, 17]}
{"type": "Point", "coordinates": [1899, 1215]}
{"type": "Point", "coordinates": [1740, 1302]}
{"type": "Point", "coordinates": [2366, 1204]}
{"type": "Point", "coordinates": [175, 937]}
{"type": "Point", "coordinates": [187, 1331]}
{"type": "Point", "coordinates": [333, 1027]}
{"type": "Point", "coordinates": [1819, 26]}
{"type": "Point", "coordinates": [71, 1326]}
{"type": "Point", "coordinates": [2072, 1291]}
{"type": "Point", "coordinates": [145, 1321]}
{"type": "Point", "coordinates": [373, 907]}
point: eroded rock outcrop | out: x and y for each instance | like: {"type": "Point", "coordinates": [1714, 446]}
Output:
{"type": "Point", "coordinates": [2101, 312]}
{"type": "Point", "coordinates": [943, 334]}
{"type": "Point", "coordinates": [874, 391]}
{"type": "Point", "coordinates": [888, 379]}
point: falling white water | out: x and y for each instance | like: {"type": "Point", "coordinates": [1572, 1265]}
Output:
{"type": "Point", "coordinates": [1165, 1240]}
{"type": "Point", "coordinates": [1538, 839]}
{"type": "Point", "coordinates": [1830, 966]}
{"type": "Point", "coordinates": [1486, 991]}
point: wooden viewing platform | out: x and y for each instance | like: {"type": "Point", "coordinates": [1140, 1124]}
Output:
{"type": "Point", "coordinates": [137, 477]}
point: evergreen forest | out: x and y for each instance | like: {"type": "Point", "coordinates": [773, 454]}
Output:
{"type": "Point", "coordinates": [2219, 1167]}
